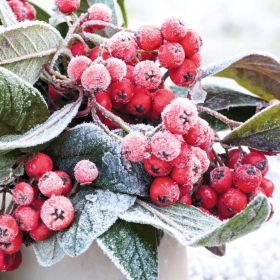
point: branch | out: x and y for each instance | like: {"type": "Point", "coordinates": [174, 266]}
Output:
{"type": "Point", "coordinates": [106, 24]}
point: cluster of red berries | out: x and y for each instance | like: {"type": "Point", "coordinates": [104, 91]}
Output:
{"type": "Point", "coordinates": [22, 10]}
{"type": "Point", "coordinates": [41, 209]}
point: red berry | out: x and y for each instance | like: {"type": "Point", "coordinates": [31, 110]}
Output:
{"type": "Point", "coordinates": [173, 30]}
{"type": "Point", "coordinates": [191, 43]}
{"type": "Point", "coordinates": [50, 183]}
{"type": "Point", "coordinates": [78, 49]}
{"type": "Point", "coordinates": [122, 91]}
{"type": "Point", "coordinates": [93, 54]}
{"type": "Point", "coordinates": [38, 165]}
{"type": "Point", "coordinates": [14, 261]}
{"type": "Point", "coordinates": [185, 74]}
{"type": "Point", "coordinates": [235, 158]}
{"type": "Point", "coordinates": [164, 191]}
{"type": "Point", "coordinates": [186, 154]}
{"type": "Point", "coordinates": [146, 55]}
{"type": "Point", "coordinates": [52, 92]}
{"type": "Point", "coordinates": [67, 6]}
{"type": "Point", "coordinates": [129, 73]}
{"type": "Point", "coordinates": [257, 159]}
{"type": "Point", "coordinates": [185, 189]}
{"type": "Point", "coordinates": [196, 59]}
{"type": "Point", "coordinates": [149, 37]}
{"type": "Point", "coordinates": [57, 213]}
{"type": "Point", "coordinates": [186, 199]}
{"type": "Point", "coordinates": [30, 11]}
{"type": "Point", "coordinates": [267, 186]}
{"type": "Point", "coordinates": [256, 192]}
{"type": "Point", "coordinates": [77, 67]}
{"type": "Point", "coordinates": [18, 9]}
{"type": "Point", "coordinates": [140, 104]}
{"type": "Point", "coordinates": [23, 194]}
{"type": "Point", "coordinates": [157, 167]}
{"type": "Point", "coordinates": [147, 75]}
{"type": "Point", "coordinates": [8, 228]}
{"type": "Point", "coordinates": [206, 197]}
{"type": "Point", "coordinates": [161, 98]}
{"type": "Point", "coordinates": [247, 178]}
{"type": "Point", "coordinates": [13, 246]}
{"type": "Point", "coordinates": [171, 55]}
{"type": "Point", "coordinates": [103, 99]}
{"type": "Point", "coordinates": [100, 11]}
{"type": "Point", "coordinates": [27, 217]}
{"type": "Point", "coordinates": [4, 260]}
{"type": "Point", "coordinates": [221, 179]}
{"type": "Point", "coordinates": [37, 204]}
{"type": "Point", "coordinates": [85, 172]}
{"type": "Point", "coordinates": [41, 232]}
{"type": "Point", "coordinates": [116, 68]}
{"type": "Point", "coordinates": [203, 158]}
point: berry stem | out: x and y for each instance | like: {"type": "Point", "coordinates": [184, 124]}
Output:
{"type": "Point", "coordinates": [107, 24]}
{"type": "Point", "coordinates": [217, 157]}
{"type": "Point", "coordinates": [3, 204]}
{"type": "Point", "coordinates": [155, 130]}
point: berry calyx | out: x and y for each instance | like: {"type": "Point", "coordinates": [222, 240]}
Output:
{"type": "Point", "coordinates": [85, 172]}
{"type": "Point", "coordinates": [206, 197]}
{"type": "Point", "coordinates": [67, 6]}
{"type": "Point", "coordinates": [221, 179]}
{"type": "Point", "coordinates": [27, 217]}
{"type": "Point", "coordinates": [173, 30]}
{"type": "Point", "coordinates": [258, 159]}
{"type": "Point", "coordinates": [157, 167]}
{"type": "Point", "coordinates": [51, 183]}
{"type": "Point", "coordinates": [8, 228]}
{"type": "Point", "coordinates": [23, 194]}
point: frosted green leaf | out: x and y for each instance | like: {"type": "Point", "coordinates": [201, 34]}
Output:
{"type": "Point", "coordinates": [44, 132]}
{"type": "Point", "coordinates": [21, 105]}
{"type": "Point", "coordinates": [133, 249]}
{"type": "Point", "coordinates": [48, 252]}
{"type": "Point", "coordinates": [7, 161]}
{"type": "Point", "coordinates": [95, 213]}
{"type": "Point", "coordinates": [25, 47]}
{"type": "Point", "coordinates": [7, 16]}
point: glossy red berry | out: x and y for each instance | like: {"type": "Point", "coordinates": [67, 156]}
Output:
{"type": "Point", "coordinates": [257, 159]}
{"type": "Point", "coordinates": [164, 191]}
{"type": "Point", "coordinates": [93, 54]}
{"type": "Point", "coordinates": [8, 228]}
{"type": "Point", "coordinates": [85, 172]}
{"type": "Point", "coordinates": [196, 59]}
{"type": "Point", "coordinates": [267, 186]}
{"type": "Point", "coordinates": [235, 158]}
{"type": "Point", "coordinates": [100, 11]}
{"type": "Point", "coordinates": [206, 197]}
{"type": "Point", "coordinates": [41, 232]}
{"type": "Point", "coordinates": [186, 199]}
{"type": "Point", "coordinates": [221, 179]}
{"type": "Point", "coordinates": [78, 49]}
{"type": "Point", "coordinates": [37, 204]}
{"type": "Point", "coordinates": [13, 246]}
{"type": "Point", "coordinates": [185, 74]}
{"type": "Point", "coordinates": [161, 98]}
{"type": "Point", "coordinates": [10, 262]}
{"type": "Point", "coordinates": [116, 68]}
{"type": "Point", "coordinates": [67, 6]}
{"type": "Point", "coordinates": [173, 30]}
{"type": "Point", "coordinates": [27, 217]}
{"type": "Point", "coordinates": [23, 194]}
{"type": "Point", "coordinates": [157, 167]}
{"type": "Point", "coordinates": [191, 43]}
{"type": "Point", "coordinates": [247, 178]}
{"type": "Point", "coordinates": [149, 37]}
{"type": "Point", "coordinates": [103, 99]}
{"type": "Point", "coordinates": [57, 213]}
{"type": "Point", "coordinates": [171, 55]}
{"type": "Point", "coordinates": [122, 91]}
{"type": "Point", "coordinates": [50, 183]}
{"type": "Point", "coordinates": [38, 165]}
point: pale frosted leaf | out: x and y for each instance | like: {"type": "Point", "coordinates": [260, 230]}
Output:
{"type": "Point", "coordinates": [7, 161]}
{"type": "Point", "coordinates": [6, 14]}
{"type": "Point", "coordinates": [95, 213]}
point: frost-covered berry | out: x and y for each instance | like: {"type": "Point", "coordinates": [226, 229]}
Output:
{"type": "Point", "coordinates": [221, 179]}
{"type": "Point", "coordinates": [203, 158]}
{"type": "Point", "coordinates": [96, 78]}
{"type": "Point", "coordinates": [149, 37]}
{"type": "Point", "coordinates": [165, 146]}
{"type": "Point", "coordinates": [185, 74]}
{"type": "Point", "coordinates": [157, 167]}
{"type": "Point", "coordinates": [85, 172]}
{"type": "Point", "coordinates": [116, 68]}
{"type": "Point", "coordinates": [171, 55]}
{"type": "Point", "coordinates": [8, 228]}
{"type": "Point", "coordinates": [161, 98]}
{"type": "Point", "coordinates": [147, 75]}
{"type": "Point", "coordinates": [186, 199]}
{"type": "Point", "coordinates": [67, 183]}
{"type": "Point", "coordinates": [30, 11]}
{"type": "Point", "coordinates": [77, 66]}
{"type": "Point", "coordinates": [196, 59]}
{"type": "Point", "coordinates": [38, 165]}
{"type": "Point", "coordinates": [206, 197]}
{"type": "Point", "coordinates": [50, 183]}
{"type": "Point", "coordinates": [67, 6]}
{"type": "Point", "coordinates": [134, 146]}
{"type": "Point", "coordinates": [18, 9]}
{"type": "Point", "coordinates": [57, 213]}
{"type": "Point", "coordinates": [129, 72]}
{"type": "Point", "coordinates": [267, 186]}
{"type": "Point", "coordinates": [13, 246]}
{"type": "Point", "coordinates": [186, 154]}
{"type": "Point", "coordinates": [185, 189]}
{"type": "Point", "coordinates": [93, 54]}
{"type": "Point", "coordinates": [122, 91]}
{"type": "Point", "coordinates": [257, 159]}
{"type": "Point", "coordinates": [179, 116]}
{"type": "Point", "coordinates": [235, 157]}
{"type": "Point", "coordinates": [164, 191]}
{"type": "Point", "coordinates": [173, 30]}
{"type": "Point", "coordinates": [41, 232]}
{"type": "Point", "coordinates": [140, 104]}
{"type": "Point", "coordinates": [100, 11]}
{"type": "Point", "coordinates": [23, 194]}
{"type": "Point", "coordinates": [123, 45]}
{"type": "Point", "coordinates": [247, 178]}
{"type": "Point", "coordinates": [191, 43]}
{"type": "Point", "coordinates": [27, 217]}
{"type": "Point", "coordinates": [78, 49]}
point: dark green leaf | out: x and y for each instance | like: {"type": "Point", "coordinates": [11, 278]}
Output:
{"type": "Point", "coordinates": [41, 13]}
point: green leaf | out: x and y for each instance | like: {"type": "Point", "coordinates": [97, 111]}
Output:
{"type": "Point", "coordinates": [25, 47]}
{"type": "Point", "coordinates": [133, 249]}
{"type": "Point", "coordinates": [21, 105]}
{"type": "Point", "coordinates": [96, 211]}
{"type": "Point", "coordinates": [44, 132]}
{"type": "Point", "coordinates": [48, 252]}
{"type": "Point", "coordinates": [7, 16]}
{"type": "Point", "coordinates": [88, 141]}
{"type": "Point", "coordinates": [258, 72]}
{"type": "Point", "coordinates": [190, 226]}
{"type": "Point", "coordinates": [7, 162]}
{"type": "Point", "coordinates": [261, 132]}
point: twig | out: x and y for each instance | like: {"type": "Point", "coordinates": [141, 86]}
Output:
{"type": "Point", "coordinates": [3, 204]}
{"type": "Point", "coordinates": [155, 130]}
{"type": "Point", "coordinates": [217, 157]}
{"type": "Point", "coordinates": [106, 24]}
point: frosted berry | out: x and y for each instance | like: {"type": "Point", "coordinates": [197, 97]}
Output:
{"type": "Point", "coordinates": [140, 104]}
{"type": "Point", "coordinates": [77, 66]}
{"type": "Point", "coordinates": [12, 246]}
{"type": "Point", "coordinates": [129, 72]}
{"type": "Point", "coordinates": [78, 49]}
{"type": "Point", "coordinates": [221, 179]}
{"type": "Point", "coordinates": [186, 154]}
{"type": "Point", "coordinates": [38, 165]}
{"type": "Point", "coordinates": [52, 92]}
{"type": "Point", "coordinates": [185, 74]}
{"type": "Point", "coordinates": [235, 158]}
{"type": "Point", "coordinates": [103, 99]}
{"type": "Point", "coordinates": [157, 167]}
{"type": "Point", "coordinates": [96, 78]}
{"type": "Point", "coordinates": [173, 30]}
{"type": "Point", "coordinates": [67, 183]}
{"type": "Point", "coordinates": [10, 262]}
{"type": "Point", "coordinates": [23, 194]}
{"type": "Point", "coordinates": [267, 186]}
{"type": "Point", "coordinates": [8, 228]}
{"type": "Point", "coordinates": [85, 172]}
{"type": "Point", "coordinates": [100, 11]}
{"type": "Point", "coordinates": [50, 183]}
{"type": "Point", "coordinates": [196, 59]}
{"type": "Point", "coordinates": [4, 258]}
{"type": "Point", "coordinates": [41, 232]}
{"type": "Point", "coordinates": [18, 9]}
{"type": "Point", "coordinates": [179, 116]}
{"type": "Point", "coordinates": [122, 91]}
{"type": "Point", "coordinates": [67, 6]}
{"type": "Point", "coordinates": [185, 189]}
{"type": "Point", "coordinates": [57, 213]}
{"type": "Point", "coordinates": [191, 43]}
{"type": "Point", "coordinates": [186, 199]}
{"type": "Point", "coordinates": [134, 146]}
{"type": "Point", "coordinates": [165, 146]}
{"type": "Point", "coordinates": [247, 178]}
{"type": "Point", "coordinates": [206, 197]}
{"type": "Point", "coordinates": [123, 45]}
{"type": "Point", "coordinates": [93, 54]}
{"type": "Point", "coordinates": [164, 191]}
{"type": "Point", "coordinates": [203, 158]}
{"type": "Point", "coordinates": [171, 55]}
{"type": "Point", "coordinates": [30, 11]}
{"type": "Point", "coordinates": [149, 37]}
{"type": "Point", "coordinates": [116, 68]}
{"type": "Point", "coordinates": [161, 98]}
{"type": "Point", "coordinates": [147, 75]}
{"type": "Point", "coordinates": [257, 159]}
{"type": "Point", "coordinates": [27, 217]}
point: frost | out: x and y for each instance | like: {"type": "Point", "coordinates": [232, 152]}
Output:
{"type": "Point", "coordinates": [77, 66]}
{"type": "Point", "coordinates": [96, 212]}
{"type": "Point", "coordinates": [117, 68]}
